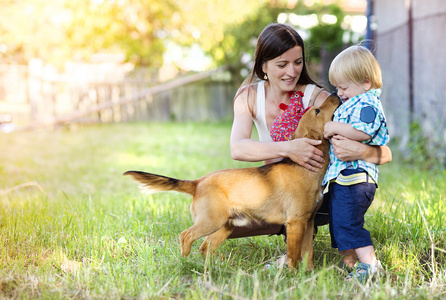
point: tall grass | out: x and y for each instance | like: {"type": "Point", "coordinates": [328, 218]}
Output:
{"type": "Point", "coordinates": [71, 226]}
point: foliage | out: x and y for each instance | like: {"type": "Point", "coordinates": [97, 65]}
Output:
{"type": "Point", "coordinates": [240, 38]}
{"type": "Point", "coordinates": [131, 27]}
{"type": "Point", "coordinates": [61, 30]}
{"type": "Point", "coordinates": [421, 150]}
{"type": "Point", "coordinates": [31, 28]}
{"type": "Point", "coordinates": [82, 230]}
{"type": "Point", "coordinates": [204, 21]}
{"type": "Point", "coordinates": [326, 36]}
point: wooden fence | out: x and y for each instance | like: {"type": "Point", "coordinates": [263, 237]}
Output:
{"type": "Point", "coordinates": [53, 100]}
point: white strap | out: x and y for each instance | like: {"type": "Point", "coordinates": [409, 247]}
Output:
{"type": "Point", "coordinates": [307, 94]}
{"type": "Point", "coordinates": [260, 102]}
{"type": "Point", "coordinates": [260, 120]}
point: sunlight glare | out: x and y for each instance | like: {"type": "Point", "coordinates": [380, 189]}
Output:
{"type": "Point", "coordinates": [329, 19]}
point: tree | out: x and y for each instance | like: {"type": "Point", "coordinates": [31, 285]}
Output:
{"type": "Point", "coordinates": [205, 23]}
{"type": "Point", "coordinates": [60, 30]}
{"type": "Point", "coordinates": [327, 34]}
{"type": "Point", "coordinates": [239, 44]}
{"type": "Point", "coordinates": [134, 27]}
{"type": "Point", "coordinates": [31, 28]}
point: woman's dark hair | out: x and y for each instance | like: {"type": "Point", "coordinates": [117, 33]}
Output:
{"type": "Point", "coordinates": [275, 40]}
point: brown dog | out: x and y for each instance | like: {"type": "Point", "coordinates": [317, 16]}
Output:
{"type": "Point", "coordinates": [278, 193]}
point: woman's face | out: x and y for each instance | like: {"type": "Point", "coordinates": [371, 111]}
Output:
{"type": "Point", "coordinates": [284, 71]}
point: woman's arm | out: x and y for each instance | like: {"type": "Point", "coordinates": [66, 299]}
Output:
{"type": "Point", "coordinates": [301, 151]}
{"type": "Point", "coordinates": [349, 150]}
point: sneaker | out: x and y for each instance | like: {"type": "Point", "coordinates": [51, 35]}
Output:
{"type": "Point", "coordinates": [278, 263]}
{"type": "Point", "coordinates": [363, 271]}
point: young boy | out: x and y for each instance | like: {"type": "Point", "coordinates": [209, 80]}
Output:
{"type": "Point", "coordinates": [351, 185]}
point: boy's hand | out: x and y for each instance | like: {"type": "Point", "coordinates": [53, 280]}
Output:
{"type": "Point", "coordinates": [329, 129]}
{"type": "Point", "coordinates": [337, 128]}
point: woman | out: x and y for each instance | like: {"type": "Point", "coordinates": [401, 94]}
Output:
{"type": "Point", "coordinates": [279, 63]}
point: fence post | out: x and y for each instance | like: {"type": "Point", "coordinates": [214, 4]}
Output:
{"type": "Point", "coordinates": [35, 69]}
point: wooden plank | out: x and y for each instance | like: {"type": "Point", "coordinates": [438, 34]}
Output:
{"type": "Point", "coordinates": [124, 100]}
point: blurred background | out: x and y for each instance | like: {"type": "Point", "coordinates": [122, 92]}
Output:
{"type": "Point", "coordinates": [91, 61]}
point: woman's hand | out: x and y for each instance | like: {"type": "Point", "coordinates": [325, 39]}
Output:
{"type": "Point", "coordinates": [303, 152]}
{"type": "Point", "coordinates": [346, 149]}
{"type": "Point", "coordinates": [349, 150]}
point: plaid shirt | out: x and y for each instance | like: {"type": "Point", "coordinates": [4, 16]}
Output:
{"type": "Point", "coordinates": [364, 112]}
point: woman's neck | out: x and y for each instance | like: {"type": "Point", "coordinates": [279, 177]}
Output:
{"type": "Point", "coordinates": [277, 96]}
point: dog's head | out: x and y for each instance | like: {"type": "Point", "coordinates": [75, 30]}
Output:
{"type": "Point", "coordinates": [312, 123]}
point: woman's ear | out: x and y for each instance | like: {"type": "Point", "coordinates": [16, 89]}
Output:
{"type": "Point", "coordinates": [264, 69]}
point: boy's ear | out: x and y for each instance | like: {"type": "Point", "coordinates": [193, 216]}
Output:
{"type": "Point", "coordinates": [367, 84]}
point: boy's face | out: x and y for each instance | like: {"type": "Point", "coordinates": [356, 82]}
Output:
{"type": "Point", "coordinates": [347, 90]}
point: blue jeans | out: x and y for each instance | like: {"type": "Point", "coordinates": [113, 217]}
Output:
{"type": "Point", "coordinates": [348, 205]}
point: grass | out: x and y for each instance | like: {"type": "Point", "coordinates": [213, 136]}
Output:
{"type": "Point", "coordinates": [71, 226]}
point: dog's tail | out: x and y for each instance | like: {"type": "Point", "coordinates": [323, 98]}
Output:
{"type": "Point", "coordinates": [153, 183]}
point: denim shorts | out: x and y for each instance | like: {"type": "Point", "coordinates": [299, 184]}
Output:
{"type": "Point", "coordinates": [348, 205]}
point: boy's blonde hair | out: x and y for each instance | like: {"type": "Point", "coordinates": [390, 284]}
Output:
{"type": "Point", "coordinates": [356, 64]}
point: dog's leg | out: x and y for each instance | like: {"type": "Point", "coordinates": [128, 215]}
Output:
{"type": "Point", "coordinates": [307, 246]}
{"type": "Point", "coordinates": [295, 235]}
{"type": "Point", "coordinates": [186, 242]}
{"type": "Point", "coordinates": [217, 238]}
{"type": "Point", "coordinates": [208, 219]}
{"type": "Point", "coordinates": [198, 230]}
{"type": "Point", "coordinates": [191, 234]}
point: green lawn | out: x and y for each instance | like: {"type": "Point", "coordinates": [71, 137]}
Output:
{"type": "Point", "coordinates": [71, 226]}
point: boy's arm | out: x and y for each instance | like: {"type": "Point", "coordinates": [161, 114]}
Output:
{"type": "Point", "coordinates": [336, 128]}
